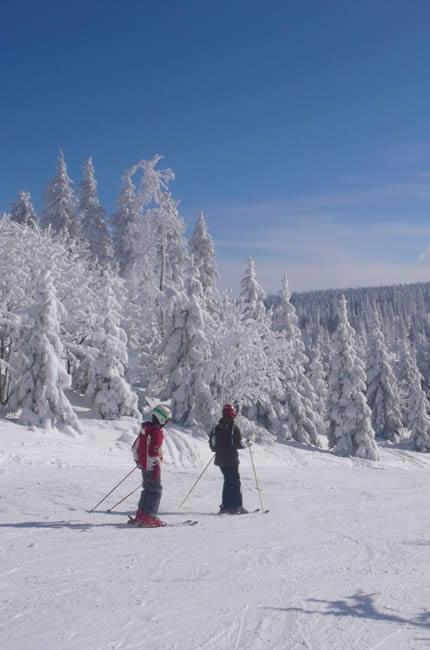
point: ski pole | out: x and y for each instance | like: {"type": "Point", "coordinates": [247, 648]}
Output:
{"type": "Point", "coordinates": [124, 498]}
{"type": "Point", "coordinates": [114, 488]}
{"type": "Point", "coordinates": [182, 503]}
{"type": "Point", "coordinates": [257, 485]}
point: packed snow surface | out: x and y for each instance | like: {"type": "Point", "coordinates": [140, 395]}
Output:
{"type": "Point", "coordinates": [341, 562]}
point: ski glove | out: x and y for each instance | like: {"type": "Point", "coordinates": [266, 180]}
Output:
{"type": "Point", "coordinates": [248, 443]}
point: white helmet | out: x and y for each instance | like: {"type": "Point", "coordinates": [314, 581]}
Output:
{"type": "Point", "coordinates": [162, 413]}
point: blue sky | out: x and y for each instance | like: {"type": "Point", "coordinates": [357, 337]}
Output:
{"type": "Point", "coordinates": [301, 129]}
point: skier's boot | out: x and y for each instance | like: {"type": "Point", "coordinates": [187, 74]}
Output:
{"type": "Point", "coordinates": [239, 511]}
{"type": "Point", "coordinates": [150, 521]}
{"type": "Point", "coordinates": [223, 510]}
{"type": "Point", "coordinates": [138, 518]}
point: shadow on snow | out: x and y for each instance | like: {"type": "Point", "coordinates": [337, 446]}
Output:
{"type": "Point", "coordinates": [360, 605]}
{"type": "Point", "coordinates": [62, 524]}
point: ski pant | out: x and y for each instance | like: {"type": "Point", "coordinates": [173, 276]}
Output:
{"type": "Point", "coordinates": [231, 493]}
{"type": "Point", "coordinates": [151, 494]}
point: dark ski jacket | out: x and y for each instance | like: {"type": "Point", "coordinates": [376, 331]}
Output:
{"type": "Point", "coordinates": [225, 439]}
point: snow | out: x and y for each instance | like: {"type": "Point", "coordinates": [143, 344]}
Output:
{"type": "Point", "coordinates": [340, 562]}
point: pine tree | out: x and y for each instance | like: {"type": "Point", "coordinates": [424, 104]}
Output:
{"type": "Point", "coordinates": [252, 294]}
{"type": "Point", "coordinates": [318, 379]}
{"type": "Point", "coordinates": [187, 350]}
{"type": "Point", "coordinates": [300, 400]}
{"type": "Point", "coordinates": [203, 252]}
{"type": "Point", "coordinates": [40, 389]}
{"type": "Point", "coordinates": [382, 390]}
{"type": "Point", "coordinates": [418, 413]}
{"type": "Point", "coordinates": [23, 211]}
{"type": "Point", "coordinates": [60, 204]}
{"type": "Point", "coordinates": [350, 432]}
{"type": "Point", "coordinates": [141, 321]}
{"type": "Point", "coordinates": [410, 382]}
{"type": "Point", "coordinates": [93, 218]}
{"type": "Point", "coordinates": [240, 370]}
{"type": "Point", "coordinates": [172, 250]}
{"type": "Point", "coordinates": [162, 228]}
{"type": "Point", "coordinates": [108, 387]}
{"type": "Point", "coordinates": [124, 222]}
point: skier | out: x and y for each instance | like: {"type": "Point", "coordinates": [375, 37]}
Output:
{"type": "Point", "coordinates": [147, 452]}
{"type": "Point", "coordinates": [225, 439]}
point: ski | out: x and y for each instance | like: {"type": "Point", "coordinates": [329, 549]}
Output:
{"type": "Point", "coordinates": [164, 524]}
{"type": "Point", "coordinates": [240, 514]}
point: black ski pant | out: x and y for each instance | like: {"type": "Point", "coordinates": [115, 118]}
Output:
{"type": "Point", "coordinates": [231, 493]}
{"type": "Point", "coordinates": [151, 494]}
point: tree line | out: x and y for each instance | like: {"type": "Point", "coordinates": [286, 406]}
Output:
{"type": "Point", "coordinates": [121, 307]}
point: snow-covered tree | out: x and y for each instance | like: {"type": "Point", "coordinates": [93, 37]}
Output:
{"type": "Point", "coordinates": [108, 387]}
{"type": "Point", "coordinates": [203, 252]}
{"type": "Point", "coordinates": [422, 348]}
{"type": "Point", "coordinates": [410, 383]}
{"type": "Point", "coordinates": [318, 379]}
{"type": "Point", "coordinates": [350, 431]}
{"type": "Point", "coordinates": [23, 252]}
{"type": "Point", "coordinates": [40, 390]}
{"type": "Point", "coordinates": [418, 414]}
{"type": "Point", "coordinates": [141, 321]}
{"type": "Point", "coordinates": [23, 211]}
{"type": "Point", "coordinates": [240, 369]}
{"type": "Point", "coordinates": [162, 226]}
{"type": "Point", "coordinates": [93, 218]}
{"type": "Point", "coordinates": [382, 390]}
{"type": "Point", "coordinates": [187, 350]}
{"type": "Point", "coordinates": [125, 220]}
{"type": "Point", "coordinates": [252, 294]}
{"type": "Point", "coordinates": [171, 245]}
{"type": "Point", "coordinates": [61, 205]}
{"type": "Point", "coordinates": [300, 401]}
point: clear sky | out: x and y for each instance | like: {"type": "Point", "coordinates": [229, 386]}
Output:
{"type": "Point", "coordinates": [301, 129]}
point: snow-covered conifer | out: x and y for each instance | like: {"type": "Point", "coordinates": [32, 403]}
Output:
{"type": "Point", "coordinates": [422, 348]}
{"type": "Point", "coordinates": [300, 400]}
{"type": "Point", "coordinates": [382, 390]}
{"type": "Point", "coordinates": [240, 368]}
{"type": "Point", "coordinates": [318, 378]}
{"type": "Point", "coordinates": [124, 221]}
{"type": "Point", "coordinates": [252, 294]}
{"type": "Point", "coordinates": [418, 412]}
{"type": "Point", "coordinates": [141, 321]}
{"type": "Point", "coordinates": [350, 429]}
{"type": "Point", "coordinates": [39, 391]}
{"type": "Point", "coordinates": [108, 387]}
{"type": "Point", "coordinates": [162, 226]}
{"type": "Point", "coordinates": [23, 211]}
{"type": "Point", "coordinates": [93, 218]}
{"type": "Point", "coordinates": [187, 349]}
{"type": "Point", "coordinates": [60, 204]}
{"type": "Point", "coordinates": [203, 252]}
{"type": "Point", "coordinates": [408, 376]}
{"type": "Point", "coordinates": [170, 228]}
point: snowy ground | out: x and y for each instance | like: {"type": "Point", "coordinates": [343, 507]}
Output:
{"type": "Point", "coordinates": [341, 562]}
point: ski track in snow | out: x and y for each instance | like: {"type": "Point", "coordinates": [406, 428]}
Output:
{"type": "Point", "coordinates": [341, 562]}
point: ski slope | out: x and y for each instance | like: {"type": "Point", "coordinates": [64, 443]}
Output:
{"type": "Point", "coordinates": [341, 562]}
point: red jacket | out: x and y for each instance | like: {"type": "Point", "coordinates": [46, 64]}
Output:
{"type": "Point", "coordinates": [147, 448]}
